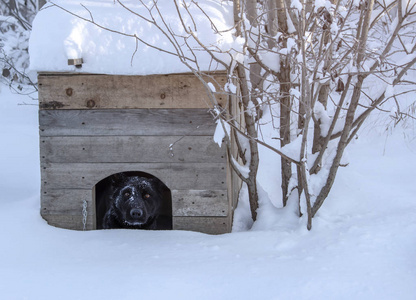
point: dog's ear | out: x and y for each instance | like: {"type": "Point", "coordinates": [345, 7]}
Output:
{"type": "Point", "coordinates": [158, 186]}
{"type": "Point", "coordinates": [118, 178]}
{"type": "Point", "coordinates": [154, 182]}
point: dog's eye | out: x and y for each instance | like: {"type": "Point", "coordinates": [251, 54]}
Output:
{"type": "Point", "coordinates": [146, 196]}
{"type": "Point", "coordinates": [127, 194]}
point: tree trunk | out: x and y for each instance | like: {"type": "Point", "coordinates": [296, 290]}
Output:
{"type": "Point", "coordinates": [41, 3]}
{"type": "Point", "coordinates": [343, 142]}
{"type": "Point", "coordinates": [285, 103]}
{"type": "Point", "coordinates": [250, 123]}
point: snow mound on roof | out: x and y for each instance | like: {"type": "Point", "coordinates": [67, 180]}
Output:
{"type": "Point", "coordinates": [59, 33]}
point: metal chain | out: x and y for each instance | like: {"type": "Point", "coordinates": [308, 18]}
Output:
{"type": "Point", "coordinates": [84, 214]}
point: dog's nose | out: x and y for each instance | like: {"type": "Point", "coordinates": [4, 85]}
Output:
{"type": "Point", "coordinates": [136, 213]}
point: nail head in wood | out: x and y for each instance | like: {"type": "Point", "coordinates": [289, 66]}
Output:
{"type": "Point", "coordinates": [90, 103]}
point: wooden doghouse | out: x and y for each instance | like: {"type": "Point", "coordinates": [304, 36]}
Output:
{"type": "Point", "coordinates": [93, 126]}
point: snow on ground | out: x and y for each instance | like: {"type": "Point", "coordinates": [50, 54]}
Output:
{"type": "Point", "coordinates": [362, 246]}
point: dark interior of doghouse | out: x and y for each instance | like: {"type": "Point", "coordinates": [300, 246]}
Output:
{"type": "Point", "coordinates": [104, 197]}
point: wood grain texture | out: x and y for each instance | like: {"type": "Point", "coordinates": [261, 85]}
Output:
{"type": "Point", "coordinates": [93, 126]}
{"type": "Point", "coordinates": [177, 176]}
{"type": "Point", "coordinates": [66, 201]}
{"type": "Point", "coordinates": [90, 91]}
{"type": "Point", "coordinates": [213, 225]}
{"type": "Point", "coordinates": [199, 203]}
{"type": "Point", "coordinates": [133, 149]}
{"type": "Point", "coordinates": [184, 202]}
{"type": "Point", "coordinates": [143, 122]}
{"type": "Point", "coordinates": [209, 225]}
{"type": "Point", "coordinates": [203, 211]}
{"type": "Point", "coordinates": [73, 222]}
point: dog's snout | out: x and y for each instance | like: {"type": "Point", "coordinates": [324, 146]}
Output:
{"type": "Point", "coordinates": [136, 213]}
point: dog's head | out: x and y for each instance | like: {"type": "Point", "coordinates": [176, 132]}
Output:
{"type": "Point", "coordinates": [136, 201]}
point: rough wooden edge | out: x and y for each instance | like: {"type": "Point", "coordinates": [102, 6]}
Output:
{"type": "Point", "coordinates": [133, 122]}
{"type": "Point", "coordinates": [185, 203]}
{"type": "Point", "coordinates": [199, 176]}
{"type": "Point", "coordinates": [202, 203]}
{"type": "Point", "coordinates": [93, 91]}
{"type": "Point", "coordinates": [190, 223]}
{"type": "Point", "coordinates": [209, 225]}
{"type": "Point", "coordinates": [65, 221]}
{"type": "Point", "coordinates": [138, 149]}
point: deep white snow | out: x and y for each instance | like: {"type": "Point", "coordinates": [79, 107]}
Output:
{"type": "Point", "coordinates": [109, 46]}
{"type": "Point", "coordinates": [362, 245]}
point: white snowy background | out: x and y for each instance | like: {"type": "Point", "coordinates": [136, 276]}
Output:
{"type": "Point", "coordinates": [362, 245]}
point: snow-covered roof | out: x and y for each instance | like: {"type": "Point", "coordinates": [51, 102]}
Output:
{"type": "Point", "coordinates": [60, 32]}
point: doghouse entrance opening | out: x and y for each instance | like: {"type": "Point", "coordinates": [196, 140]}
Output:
{"type": "Point", "coordinates": [134, 200]}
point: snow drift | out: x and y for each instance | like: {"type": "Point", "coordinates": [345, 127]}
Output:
{"type": "Point", "coordinates": [115, 40]}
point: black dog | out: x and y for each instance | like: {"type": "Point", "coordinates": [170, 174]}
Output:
{"type": "Point", "coordinates": [126, 200]}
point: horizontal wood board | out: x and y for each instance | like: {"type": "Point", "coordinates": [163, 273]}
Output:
{"type": "Point", "coordinates": [90, 91]}
{"type": "Point", "coordinates": [93, 126]}
{"type": "Point", "coordinates": [185, 203]}
{"type": "Point", "coordinates": [69, 221]}
{"type": "Point", "coordinates": [209, 225]}
{"type": "Point", "coordinates": [66, 201]}
{"type": "Point", "coordinates": [133, 149]}
{"type": "Point", "coordinates": [198, 176]}
{"type": "Point", "coordinates": [127, 122]}
{"type": "Point", "coordinates": [213, 225]}
{"type": "Point", "coordinates": [194, 203]}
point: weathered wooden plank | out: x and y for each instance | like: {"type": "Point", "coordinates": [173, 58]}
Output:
{"type": "Point", "coordinates": [210, 225]}
{"type": "Point", "coordinates": [114, 91]}
{"type": "Point", "coordinates": [63, 208]}
{"type": "Point", "coordinates": [145, 122]}
{"type": "Point", "coordinates": [69, 221]}
{"type": "Point", "coordinates": [199, 203]}
{"type": "Point", "coordinates": [145, 149]}
{"type": "Point", "coordinates": [67, 201]}
{"type": "Point", "coordinates": [177, 176]}
{"type": "Point", "coordinates": [184, 202]}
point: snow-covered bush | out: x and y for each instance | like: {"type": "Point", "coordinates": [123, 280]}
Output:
{"type": "Point", "coordinates": [15, 25]}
